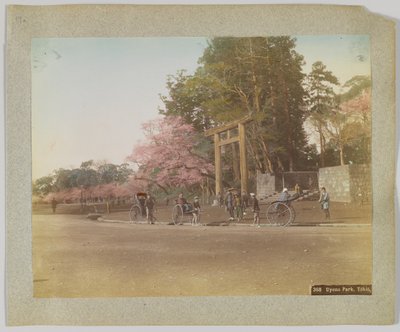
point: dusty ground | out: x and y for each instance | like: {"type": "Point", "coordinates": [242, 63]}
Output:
{"type": "Point", "coordinates": [77, 257]}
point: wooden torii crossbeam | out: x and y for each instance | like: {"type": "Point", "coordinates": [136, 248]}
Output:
{"type": "Point", "coordinates": [218, 142]}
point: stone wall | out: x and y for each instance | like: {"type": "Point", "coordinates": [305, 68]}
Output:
{"type": "Point", "coordinates": [343, 183]}
{"type": "Point", "coordinates": [306, 180]}
{"type": "Point", "coordinates": [360, 182]}
{"type": "Point", "coordinates": [265, 184]}
{"type": "Point", "coordinates": [268, 184]}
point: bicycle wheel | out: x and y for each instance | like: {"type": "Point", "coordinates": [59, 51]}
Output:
{"type": "Point", "coordinates": [279, 214]}
{"type": "Point", "coordinates": [177, 215]}
{"type": "Point", "coordinates": [135, 214]}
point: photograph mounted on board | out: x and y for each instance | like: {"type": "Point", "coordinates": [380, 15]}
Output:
{"type": "Point", "coordinates": [191, 166]}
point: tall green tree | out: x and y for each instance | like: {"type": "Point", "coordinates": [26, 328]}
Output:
{"type": "Point", "coordinates": [89, 174]}
{"type": "Point", "coordinates": [187, 99]}
{"type": "Point", "coordinates": [240, 76]}
{"type": "Point", "coordinates": [321, 101]}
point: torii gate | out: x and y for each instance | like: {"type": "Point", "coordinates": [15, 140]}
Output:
{"type": "Point", "coordinates": [218, 142]}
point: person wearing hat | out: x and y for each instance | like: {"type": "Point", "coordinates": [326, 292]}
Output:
{"type": "Point", "coordinates": [196, 211]}
{"type": "Point", "coordinates": [183, 202]}
{"type": "Point", "coordinates": [324, 201]}
{"type": "Point", "coordinates": [284, 196]}
{"type": "Point", "coordinates": [255, 208]}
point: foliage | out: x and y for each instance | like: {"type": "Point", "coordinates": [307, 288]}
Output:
{"type": "Point", "coordinates": [170, 155]}
{"type": "Point", "coordinates": [259, 77]}
{"type": "Point", "coordinates": [349, 126]}
{"type": "Point", "coordinates": [357, 85]}
{"type": "Point", "coordinates": [88, 175]}
{"type": "Point", "coordinates": [43, 186]}
{"type": "Point", "coordinates": [321, 101]}
{"type": "Point", "coordinates": [241, 76]}
{"type": "Point", "coordinates": [104, 191]}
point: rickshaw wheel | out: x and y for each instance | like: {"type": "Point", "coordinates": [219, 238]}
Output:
{"type": "Point", "coordinates": [279, 214]}
{"type": "Point", "coordinates": [177, 215]}
{"type": "Point", "coordinates": [135, 214]}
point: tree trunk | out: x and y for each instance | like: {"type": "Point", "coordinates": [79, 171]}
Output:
{"type": "Point", "coordinates": [341, 154]}
{"type": "Point", "coordinates": [256, 90]}
{"type": "Point", "coordinates": [235, 162]}
{"type": "Point", "coordinates": [255, 156]}
{"type": "Point", "coordinates": [268, 163]}
{"type": "Point", "coordinates": [289, 126]}
{"type": "Point", "coordinates": [322, 145]}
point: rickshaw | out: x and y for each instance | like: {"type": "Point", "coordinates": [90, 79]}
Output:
{"type": "Point", "coordinates": [138, 212]}
{"type": "Point", "coordinates": [179, 211]}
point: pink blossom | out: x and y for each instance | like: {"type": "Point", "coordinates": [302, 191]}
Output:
{"type": "Point", "coordinates": [167, 156]}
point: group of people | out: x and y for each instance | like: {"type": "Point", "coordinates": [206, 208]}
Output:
{"type": "Point", "coordinates": [236, 204]}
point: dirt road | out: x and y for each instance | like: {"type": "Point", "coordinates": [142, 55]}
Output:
{"type": "Point", "coordinates": [76, 257]}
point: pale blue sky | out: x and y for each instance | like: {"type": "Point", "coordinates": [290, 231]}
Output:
{"type": "Point", "coordinates": [345, 55]}
{"type": "Point", "coordinates": [90, 96]}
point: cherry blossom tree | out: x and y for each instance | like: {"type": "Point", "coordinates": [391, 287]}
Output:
{"type": "Point", "coordinates": [359, 108]}
{"type": "Point", "coordinates": [351, 122]}
{"type": "Point", "coordinates": [66, 195]}
{"type": "Point", "coordinates": [169, 156]}
{"type": "Point", "coordinates": [105, 191]}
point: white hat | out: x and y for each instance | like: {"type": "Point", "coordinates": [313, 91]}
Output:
{"type": "Point", "coordinates": [284, 189]}
{"type": "Point", "coordinates": [252, 194]}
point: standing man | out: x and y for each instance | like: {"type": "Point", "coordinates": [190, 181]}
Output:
{"type": "Point", "coordinates": [220, 199]}
{"type": "Point", "coordinates": [324, 200]}
{"type": "Point", "coordinates": [297, 189]}
{"type": "Point", "coordinates": [237, 202]}
{"type": "Point", "coordinates": [149, 204]}
{"type": "Point", "coordinates": [196, 211]}
{"type": "Point", "coordinates": [229, 204]}
{"type": "Point", "coordinates": [54, 204]}
{"type": "Point", "coordinates": [245, 202]}
{"type": "Point", "coordinates": [256, 209]}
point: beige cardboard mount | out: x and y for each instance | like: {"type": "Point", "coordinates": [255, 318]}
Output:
{"type": "Point", "coordinates": [27, 22]}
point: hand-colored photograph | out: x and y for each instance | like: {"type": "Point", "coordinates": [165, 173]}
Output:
{"type": "Point", "coordinates": [194, 166]}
